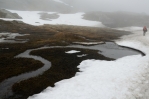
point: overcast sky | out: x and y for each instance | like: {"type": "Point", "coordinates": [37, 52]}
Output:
{"type": "Point", "coordinates": [140, 6]}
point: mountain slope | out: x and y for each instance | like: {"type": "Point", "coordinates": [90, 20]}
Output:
{"type": "Point", "coordinates": [118, 19]}
{"type": "Point", "coordinates": [40, 5]}
{"type": "Point", "coordinates": [7, 14]}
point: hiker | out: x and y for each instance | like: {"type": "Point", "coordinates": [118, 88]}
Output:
{"type": "Point", "coordinates": [144, 30]}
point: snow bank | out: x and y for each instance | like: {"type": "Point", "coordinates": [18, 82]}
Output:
{"type": "Point", "coordinates": [136, 40]}
{"type": "Point", "coordinates": [132, 28]}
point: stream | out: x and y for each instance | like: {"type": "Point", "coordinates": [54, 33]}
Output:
{"type": "Point", "coordinates": [109, 49]}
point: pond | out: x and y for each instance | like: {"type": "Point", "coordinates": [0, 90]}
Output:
{"type": "Point", "coordinates": [111, 50]}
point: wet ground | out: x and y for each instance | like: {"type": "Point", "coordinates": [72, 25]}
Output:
{"type": "Point", "coordinates": [109, 49]}
{"type": "Point", "coordinates": [64, 66]}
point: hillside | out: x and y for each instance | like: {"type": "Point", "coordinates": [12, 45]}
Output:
{"type": "Point", "coordinates": [7, 14]}
{"type": "Point", "coordinates": [38, 5]}
{"type": "Point", "coordinates": [118, 19]}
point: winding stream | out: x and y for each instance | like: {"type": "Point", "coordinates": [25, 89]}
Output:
{"type": "Point", "coordinates": [109, 49]}
{"type": "Point", "coordinates": [5, 86]}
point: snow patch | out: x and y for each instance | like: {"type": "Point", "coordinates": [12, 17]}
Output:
{"type": "Point", "coordinates": [82, 55]}
{"type": "Point", "coordinates": [72, 51]}
{"type": "Point", "coordinates": [132, 28]}
{"type": "Point", "coordinates": [10, 38]}
{"type": "Point", "coordinates": [33, 18]}
{"type": "Point", "coordinates": [88, 43]}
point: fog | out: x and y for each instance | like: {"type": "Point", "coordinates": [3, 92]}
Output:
{"type": "Point", "coordinates": [140, 6]}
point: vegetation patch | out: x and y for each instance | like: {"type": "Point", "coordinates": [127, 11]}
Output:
{"type": "Point", "coordinates": [16, 66]}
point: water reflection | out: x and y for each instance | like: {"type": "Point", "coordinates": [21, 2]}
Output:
{"type": "Point", "coordinates": [110, 49]}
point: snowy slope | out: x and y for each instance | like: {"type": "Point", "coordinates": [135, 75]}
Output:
{"type": "Point", "coordinates": [124, 78]}
{"type": "Point", "coordinates": [33, 18]}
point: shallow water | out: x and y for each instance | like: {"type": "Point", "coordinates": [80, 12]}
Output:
{"type": "Point", "coordinates": [109, 49]}
{"type": "Point", "coordinates": [5, 86]}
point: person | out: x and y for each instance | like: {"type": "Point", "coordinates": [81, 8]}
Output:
{"type": "Point", "coordinates": [144, 30]}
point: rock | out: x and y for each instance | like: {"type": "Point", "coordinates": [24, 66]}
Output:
{"type": "Point", "coordinates": [7, 14]}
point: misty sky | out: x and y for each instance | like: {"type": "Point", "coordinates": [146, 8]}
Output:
{"type": "Point", "coordinates": [140, 6]}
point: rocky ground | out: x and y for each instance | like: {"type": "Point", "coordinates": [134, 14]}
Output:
{"type": "Point", "coordinates": [63, 66]}
{"type": "Point", "coordinates": [7, 14]}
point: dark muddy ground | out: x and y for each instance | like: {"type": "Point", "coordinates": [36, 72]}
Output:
{"type": "Point", "coordinates": [64, 66]}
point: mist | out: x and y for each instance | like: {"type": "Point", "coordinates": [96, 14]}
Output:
{"type": "Point", "coordinates": [139, 6]}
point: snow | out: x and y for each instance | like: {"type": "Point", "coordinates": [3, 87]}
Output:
{"type": "Point", "coordinates": [72, 51]}
{"type": "Point", "coordinates": [88, 43]}
{"type": "Point", "coordinates": [132, 28]}
{"type": "Point", "coordinates": [82, 55]}
{"type": "Point", "coordinates": [10, 37]}
{"type": "Point", "coordinates": [33, 18]}
{"type": "Point", "coordinates": [124, 78]}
